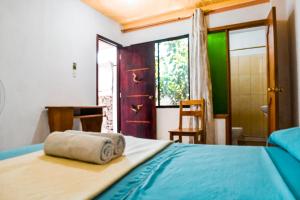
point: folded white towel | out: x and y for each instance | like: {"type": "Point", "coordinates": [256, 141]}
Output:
{"type": "Point", "coordinates": [118, 140]}
{"type": "Point", "coordinates": [81, 147]}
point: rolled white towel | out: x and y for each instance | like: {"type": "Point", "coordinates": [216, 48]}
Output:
{"type": "Point", "coordinates": [118, 140]}
{"type": "Point", "coordinates": [80, 147]}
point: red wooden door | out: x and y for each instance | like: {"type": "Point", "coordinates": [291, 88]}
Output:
{"type": "Point", "coordinates": [137, 84]}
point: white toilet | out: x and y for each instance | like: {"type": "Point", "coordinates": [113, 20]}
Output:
{"type": "Point", "coordinates": [236, 133]}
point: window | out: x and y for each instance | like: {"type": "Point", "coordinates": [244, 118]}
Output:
{"type": "Point", "coordinates": [172, 71]}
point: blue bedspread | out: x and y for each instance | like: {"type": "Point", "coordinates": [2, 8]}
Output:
{"type": "Point", "coordinates": [205, 172]}
{"type": "Point", "coordinates": [20, 151]}
{"type": "Point", "coordinates": [288, 167]}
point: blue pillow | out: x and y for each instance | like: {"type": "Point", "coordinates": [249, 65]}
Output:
{"type": "Point", "coordinates": [288, 139]}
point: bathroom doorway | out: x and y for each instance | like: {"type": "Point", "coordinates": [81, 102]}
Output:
{"type": "Point", "coordinates": [249, 85]}
{"type": "Point", "coordinates": [108, 83]}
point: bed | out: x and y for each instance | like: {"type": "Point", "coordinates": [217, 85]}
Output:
{"type": "Point", "coordinates": [186, 171]}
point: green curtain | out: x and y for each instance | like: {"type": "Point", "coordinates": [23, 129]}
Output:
{"type": "Point", "coordinates": [217, 53]}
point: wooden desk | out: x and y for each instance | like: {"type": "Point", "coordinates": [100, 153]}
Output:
{"type": "Point", "coordinates": [61, 118]}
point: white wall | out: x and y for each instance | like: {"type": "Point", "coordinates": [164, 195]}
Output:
{"type": "Point", "coordinates": [158, 32]}
{"type": "Point", "coordinates": [39, 41]}
{"type": "Point", "coordinates": [241, 15]}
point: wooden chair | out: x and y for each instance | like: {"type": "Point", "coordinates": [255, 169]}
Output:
{"type": "Point", "coordinates": [198, 112]}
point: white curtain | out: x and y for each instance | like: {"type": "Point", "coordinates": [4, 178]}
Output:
{"type": "Point", "coordinates": [200, 72]}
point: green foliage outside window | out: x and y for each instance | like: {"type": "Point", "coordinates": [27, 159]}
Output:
{"type": "Point", "coordinates": [172, 73]}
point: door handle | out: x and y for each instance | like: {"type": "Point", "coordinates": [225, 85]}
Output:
{"type": "Point", "coordinates": [150, 97]}
{"type": "Point", "coordinates": [276, 89]}
{"type": "Point", "coordinates": [136, 108]}
{"type": "Point", "coordinates": [135, 78]}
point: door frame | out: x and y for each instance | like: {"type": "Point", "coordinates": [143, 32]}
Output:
{"type": "Point", "coordinates": [118, 46]}
{"type": "Point", "coordinates": [227, 28]}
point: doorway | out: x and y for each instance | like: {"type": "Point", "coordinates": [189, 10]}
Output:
{"type": "Point", "coordinates": [249, 79]}
{"type": "Point", "coordinates": [108, 83]}
{"type": "Point", "coordinates": [219, 47]}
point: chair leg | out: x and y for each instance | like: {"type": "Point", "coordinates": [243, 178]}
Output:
{"type": "Point", "coordinates": [195, 139]}
{"type": "Point", "coordinates": [203, 138]}
{"type": "Point", "coordinates": [171, 136]}
{"type": "Point", "coordinates": [180, 138]}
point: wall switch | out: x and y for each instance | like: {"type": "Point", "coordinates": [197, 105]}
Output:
{"type": "Point", "coordinates": [74, 67]}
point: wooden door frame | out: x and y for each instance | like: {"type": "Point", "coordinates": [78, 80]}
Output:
{"type": "Point", "coordinates": [227, 29]}
{"type": "Point", "coordinates": [118, 46]}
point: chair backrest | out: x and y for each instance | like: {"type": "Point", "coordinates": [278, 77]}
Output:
{"type": "Point", "coordinates": [196, 109]}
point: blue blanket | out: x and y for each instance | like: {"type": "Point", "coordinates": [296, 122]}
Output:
{"type": "Point", "coordinates": [289, 168]}
{"type": "Point", "coordinates": [204, 172]}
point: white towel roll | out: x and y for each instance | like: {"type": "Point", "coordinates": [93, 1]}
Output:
{"type": "Point", "coordinates": [118, 140]}
{"type": "Point", "coordinates": [81, 147]}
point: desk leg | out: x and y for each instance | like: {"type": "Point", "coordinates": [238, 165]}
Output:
{"type": "Point", "coordinates": [60, 119]}
{"type": "Point", "coordinates": [92, 124]}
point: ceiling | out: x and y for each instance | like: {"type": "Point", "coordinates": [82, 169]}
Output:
{"type": "Point", "coordinates": [130, 13]}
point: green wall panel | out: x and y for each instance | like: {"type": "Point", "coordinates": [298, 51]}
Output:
{"type": "Point", "coordinates": [217, 53]}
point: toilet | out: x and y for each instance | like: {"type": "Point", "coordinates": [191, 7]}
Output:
{"type": "Point", "coordinates": [236, 133]}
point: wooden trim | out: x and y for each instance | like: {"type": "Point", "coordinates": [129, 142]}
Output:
{"type": "Point", "coordinates": [180, 15]}
{"type": "Point", "coordinates": [256, 47]}
{"type": "Point", "coordinates": [228, 135]}
{"type": "Point", "coordinates": [97, 68]}
{"type": "Point", "coordinates": [118, 90]}
{"type": "Point", "coordinates": [228, 131]}
{"type": "Point", "coordinates": [125, 30]}
{"type": "Point", "coordinates": [249, 24]}
{"type": "Point", "coordinates": [221, 116]}
{"type": "Point", "coordinates": [104, 39]}
{"type": "Point", "coordinates": [138, 69]}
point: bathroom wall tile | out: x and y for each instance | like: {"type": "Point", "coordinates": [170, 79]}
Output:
{"type": "Point", "coordinates": [234, 86]}
{"type": "Point", "coordinates": [265, 99]}
{"type": "Point", "coordinates": [244, 113]}
{"type": "Point", "coordinates": [248, 87]}
{"type": "Point", "coordinates": [257, 86]}
{"type": "Point", "coordinates": [244, 65]}
{"type": "Point", "coordinates": [261, 88]}
{"type": "Point", "coordinates": [264, 64]}
{"type": "Point", "coordinates": [265, 85]}
{"type": "Point", "coordinates": [234, 65]}
{"type": "Point", "coordinates": [255, 65]}
{"type": "Point", "coordinates": [244, 84]}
